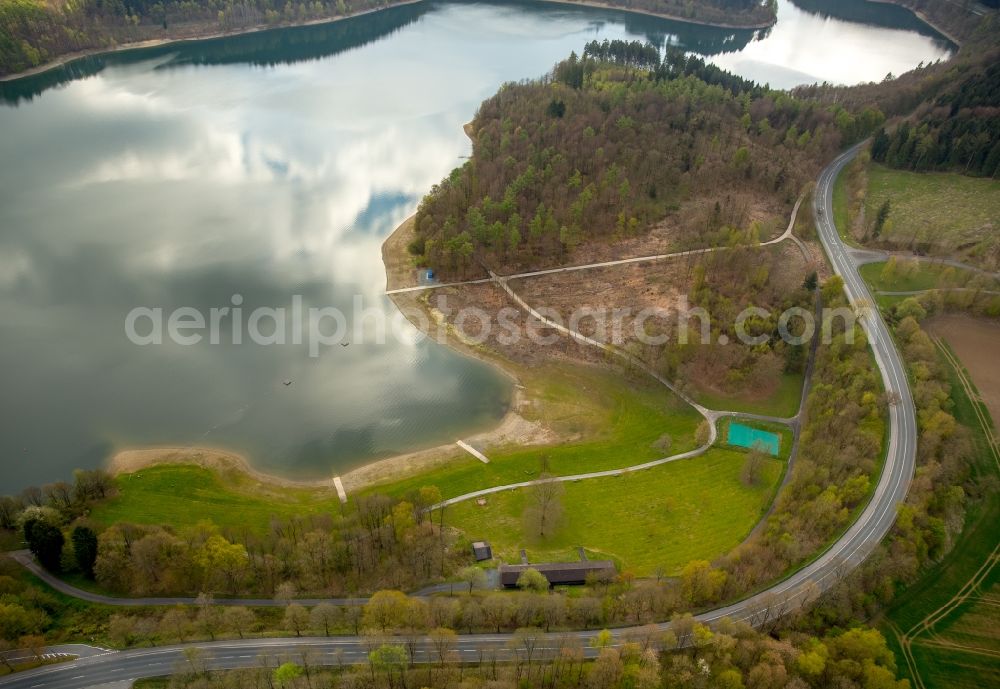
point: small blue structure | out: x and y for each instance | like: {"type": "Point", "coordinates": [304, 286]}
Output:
{"type": "Point", "coordinates": [430, 275]}
{"type": "Point", "coordinates": [745, 436]}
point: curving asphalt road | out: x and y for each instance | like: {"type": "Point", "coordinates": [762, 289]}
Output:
{"type": "Point", "coordinates": [846, 553]}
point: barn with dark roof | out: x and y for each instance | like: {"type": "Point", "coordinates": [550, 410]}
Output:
{"type": "Point", "coordinates": [558, 573]}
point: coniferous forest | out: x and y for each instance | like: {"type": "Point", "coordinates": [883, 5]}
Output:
{"type": "Point", "coordinates": [957, 131]}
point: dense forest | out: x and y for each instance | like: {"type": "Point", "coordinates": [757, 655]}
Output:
{"type": "Point", "coordinates": [959, 130]}
{"type": "Point", "coordinates": [611, 142]}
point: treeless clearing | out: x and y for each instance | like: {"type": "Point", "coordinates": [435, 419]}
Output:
{"type": "Point", "coordinates": [935, 213]}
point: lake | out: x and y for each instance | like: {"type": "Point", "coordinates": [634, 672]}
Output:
{"type": "Point", "coordinates": [267, 169]}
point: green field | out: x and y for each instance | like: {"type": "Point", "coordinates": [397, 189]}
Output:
{"type": "Point", "coordinates": [620, 421]}
{"type": "Point", "coordinates": [974, 624]}
{"type": "Point", "coordinates": [184, 495]}
{"type": "Point", "coordinates": [911, 276]}
{"type": "Point", "coordinates": [783, 402]}
{"type": "Point", "coordinates": [658, 518]}
{"type": "Point", "coordinates": [954, 669]}
{"type": "Point", "coordinates": [939, 213]}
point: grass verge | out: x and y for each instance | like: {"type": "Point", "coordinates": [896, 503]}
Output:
{"type": "Point", "coordinates": [182, 495]}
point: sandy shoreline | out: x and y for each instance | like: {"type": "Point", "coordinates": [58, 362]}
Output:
{"type": "Point", "coordinates": [512, 429]}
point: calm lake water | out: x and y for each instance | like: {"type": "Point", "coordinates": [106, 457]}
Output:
{"type": "Point", "coordinates": [273, 165]}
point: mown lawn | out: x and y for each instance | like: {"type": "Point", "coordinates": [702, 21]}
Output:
{"type": "Point", "coordinates": [913, 276]}
{"type": "Point", "coordinates": [659, 518]}
{"type": "Point", "coordinates": [619, 422]}
{"type": "Point", "coordinates": [184, 495]}
{"type": "Point", "coordinates": [783, 402]}
{"type": "Point", "coordinates": [943, 211]}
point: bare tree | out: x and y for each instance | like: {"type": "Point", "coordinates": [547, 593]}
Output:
{"type": "Point", "coordinates": [238, 619]}
{"type": "Point", "coordinates": [323, 616]}
{"type": "Point", "coordinates": [544, 506]}
{"type": "Point", "coordinates": [752, 467]}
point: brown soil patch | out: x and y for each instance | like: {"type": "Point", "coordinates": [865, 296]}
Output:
{"type": "Point", "coordinates": [975, 341]}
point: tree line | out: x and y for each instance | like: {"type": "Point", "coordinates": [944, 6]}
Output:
{"type": "Point", "coordinates": [731, 655]}
{"type": "Point", "coordinates": [397, 630]}
{"type": "Point", "coordinates": [57, 502]}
